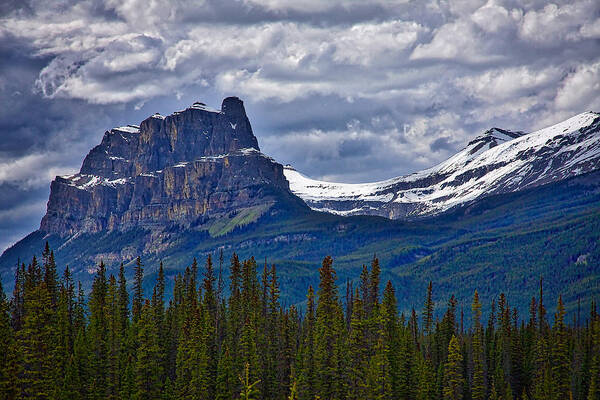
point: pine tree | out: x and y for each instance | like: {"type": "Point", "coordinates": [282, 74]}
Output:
{"type": "Point", "coordinates": [428, 321]}
{"type": "Point", "coordinates": [148, 367]}
{"type": "Point", "coordinates": [226, 380]}
{"type": "Point", "coordinates": [306, 359]}
{"type": "Point", "coordinates": [123, 300]}
{"type": "Point", "coordinates": [428, 311]}
{"type": "Point", "coordinates": [35, 338]}
{"type": "Point", "coordinates": [542, 380]}
{"type": "Point", "coordinates": [124, 336]}
{"type": "Point", "coordinates": [138, 289]}
{"type": "Point", "coordinates": [329, 339]}
{"type": "Point", "coordinates": [398, 352]}
{"type": "Point", "coordinates": [358, 352]}
{"type": "Point", "coordinates": [425, 389]}
{"type": "Point", "coordinates": [453, 378]}
{"type": "Point", "coordinates": [516, 355]}
{"type": "Point", "coordinates": [50, 275]}
{"type": "Point", "coordinates": [542, 324]}
{"type": "Point", "coordinates": [209, 307]}
{"type": "Point", "coordinates": [384, 367]}
{"type": "Point", "coordinates": [560, 356]}
{"type": "Point", "coordinates": [98, 335]}
{"type": "Point", "coordinates": [63, 349]}
{"type": "Point", "coordinates": [373, 300]}
{"type": "Point", "coordinates": [113, 339]}
{"type": "Point", "coordinates": [7, 351]}
{"type": "Point", "coordinates": [235, 315]}
{"type": "Point", "coordinates": [79, 371]}
{"type": "Point", "coordinates": [17, 304]}
{"type": "Point", "coordinates": [188, 337]}
{"type": "Point", "coordinates": [364, 285]}
{"type": "Point", "coordinates": [249, 391]}
{"type": "Point", "coordinates": [49, 349]}
{"type": "Point", "coordinates": [594, 385]}
{"type": "Point", "coordinates": [478, 385]}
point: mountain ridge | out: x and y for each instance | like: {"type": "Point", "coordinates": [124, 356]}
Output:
{"type": "Point", "coordinates": [144, 189]}
{"type": "Point", "coordinates": [497, 161]}
{"type": "Point", "coordinates": [180, 169]}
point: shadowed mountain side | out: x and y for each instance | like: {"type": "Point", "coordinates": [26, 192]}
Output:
{"type": "Point", "coordinates": [502, 243]}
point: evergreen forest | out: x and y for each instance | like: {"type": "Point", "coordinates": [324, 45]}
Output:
{"type": "Point", "coordinates": [235, 339]}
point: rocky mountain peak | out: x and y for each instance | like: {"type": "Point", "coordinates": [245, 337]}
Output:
{"type": "Point", "coordinates": [197, 163]}
{"type": "Point", "coordinates": [497, 161]}
{"type": "Point", "coordinates": [234, 107]}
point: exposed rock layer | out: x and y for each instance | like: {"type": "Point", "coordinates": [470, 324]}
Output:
{"type": "Point", "coordinates": [181, 169]}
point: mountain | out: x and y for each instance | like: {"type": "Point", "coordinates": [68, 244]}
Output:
{"type": "Point", "coordinates": [499, 161]}
{"type": "Point", "coordinates": [195, 183]}
{"type": "Point", "coordinates": [190, 168]}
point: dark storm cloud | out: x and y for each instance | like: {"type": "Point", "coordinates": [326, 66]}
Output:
{"type": "Point", "coordinates": [344, 90]}
{"type": "Point", "coordinates": [442, 143]}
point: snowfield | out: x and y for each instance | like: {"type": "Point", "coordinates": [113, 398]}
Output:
{"type": "Point", "coordinates": [498, 161]}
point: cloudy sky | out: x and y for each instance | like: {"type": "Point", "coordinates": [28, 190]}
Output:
{"type": "Point", "coordinates": [345, 90]}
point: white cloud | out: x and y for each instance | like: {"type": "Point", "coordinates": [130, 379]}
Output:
{"type": "Point", "coordinates": [449, 69]}
{"type": "Point", "coordinates": [497, 85]}
{"type": "Point", "coordinates": [316, 6]}
{"type": "Point", "coordinates": [458, 41]}
{"type": "Point", "coordinates": [580, 90]}
{"type": "Point", "coordinates": [33, 170]}
{"type": "Point", "coordinates": [492, 17]}
{"type": "Point", "coordinates": [554, 24]}
{"type": "Point", "coordinates": [591, 29]}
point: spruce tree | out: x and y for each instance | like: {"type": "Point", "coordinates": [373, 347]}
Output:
{"type": "Point", "coordinates": [63, 349]}
{"type": "Point", "coordinates": [428, 322]}
{"type": "Point", "coordinates": [249, 391]}
{"type": "Point", "coordinates": [453, 378]}
{"type": "Point", "coordinates": [98, 335]}
{"type": "Point", "coordinates": [428, 311]}
{"type": "Point", "coordinates": [478, 385]}
{"type": "Point", "coordinates": [148, 363]}
{"type": "Point", "coordinates": [560, 355]}
{"type": "Point", "coordinates": [17, 304]}
{"type": "Point", "coordinates": [209, 333]}
{"type": "Point", "coordinates": [594, 385]}
{"type": "Point", "coordinates": [138, 289]}
{"type": "Point", "coordinates": [226, 379]}
{"type": "Point", "coordinates": [358, 352]}
{"type": "Point", "coordinates": [114, 339]}
{"type": "Point", "coordinates": [398, 352]}
{"type": "Point", "coordinates": [50, 275]}
{"type": "Point", "coordinates": [306, 376]}
{"type": "Point", "coordinates": [425, 381]}
{"type": "Point", "coordinates": [329, 350]}
{"type": "Point", "coordinates": [373, 300]}
{"type": "Point", "coordinates": [7, 351]}
{"type": "Point", "coordinates": [35, 339]}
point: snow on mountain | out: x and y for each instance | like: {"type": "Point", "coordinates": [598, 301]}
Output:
{"type": "Point", "coordinates": [499, 161]}
{"type": "Point", "coordinates": [187, 168]}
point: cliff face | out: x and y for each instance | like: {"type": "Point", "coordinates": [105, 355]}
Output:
{"type": "Point", "coordinates": [182, 169]}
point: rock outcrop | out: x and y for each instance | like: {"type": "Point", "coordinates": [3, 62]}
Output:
{"type": "Point", "coordinates": [183, 169]}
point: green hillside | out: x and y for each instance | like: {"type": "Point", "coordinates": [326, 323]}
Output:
{"type": "Point", "coordinates": [500, 244]}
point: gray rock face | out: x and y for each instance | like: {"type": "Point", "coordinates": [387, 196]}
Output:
{"type": "Point", "coordinates": [183, 169]}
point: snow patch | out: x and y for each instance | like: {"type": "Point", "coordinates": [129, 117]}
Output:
{"type": "Point", "coordinates": [201, 106]}
{"type": "Point", "coordinates": [492, 167]}
{"type": "Point", "coordinates": [128, 129]}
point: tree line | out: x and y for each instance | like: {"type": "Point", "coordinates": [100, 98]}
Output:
{"type": "Point", "coordinates": [203, 344]}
